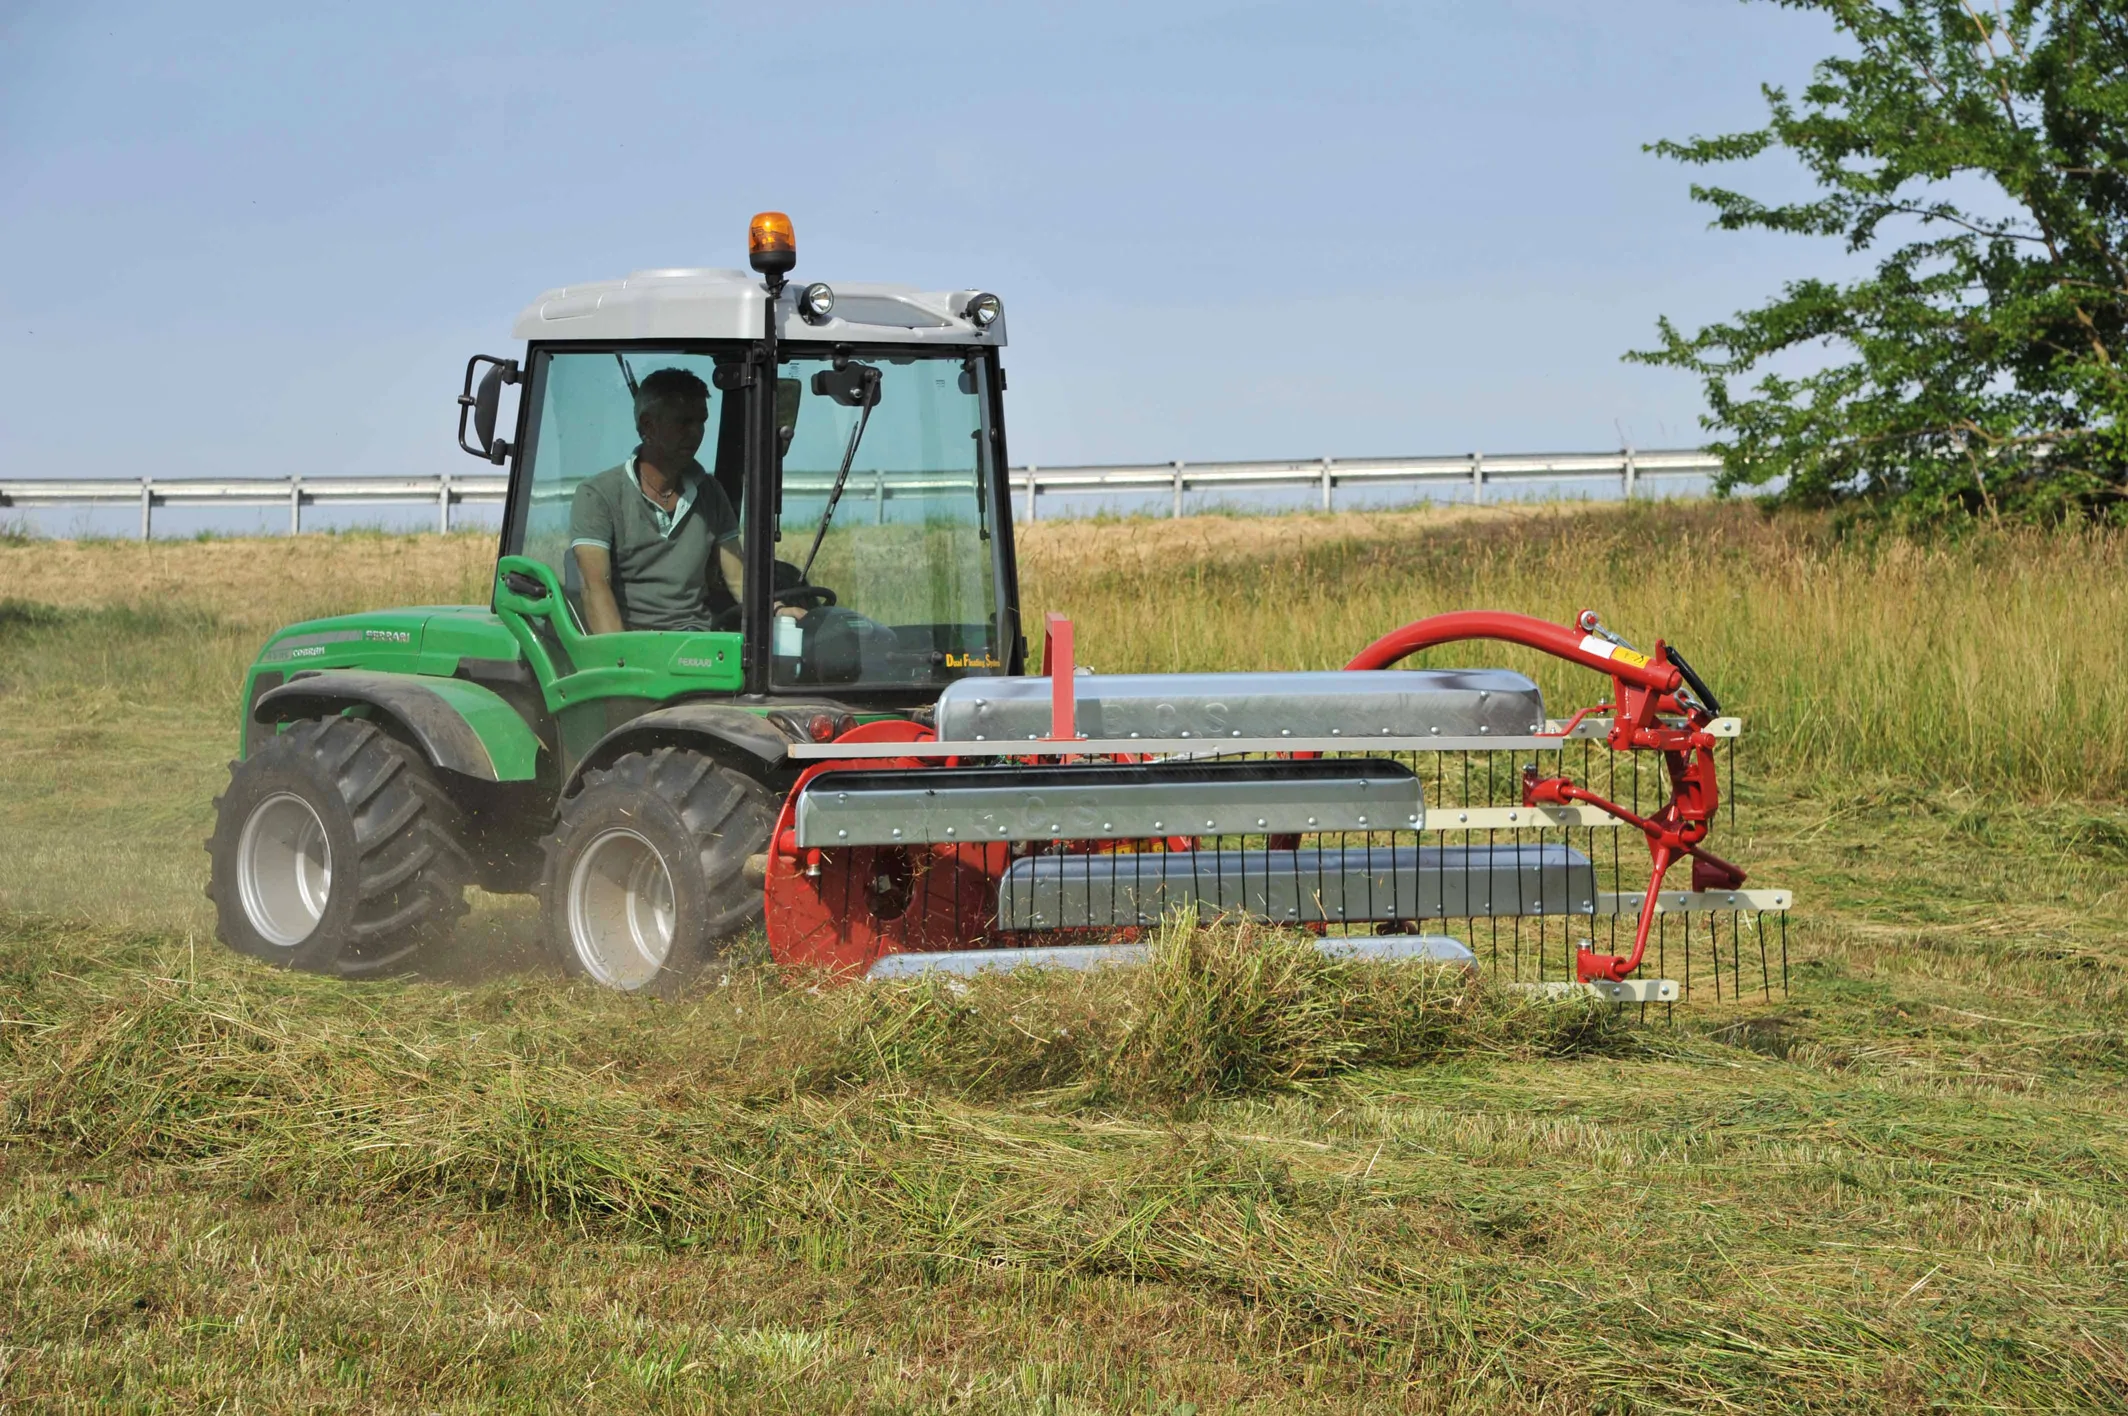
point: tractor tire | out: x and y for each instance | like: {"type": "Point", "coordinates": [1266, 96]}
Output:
{"type": "Point", "coordinates": [647, 874]}
{"type": "Point", "coordinates": [335, 851]}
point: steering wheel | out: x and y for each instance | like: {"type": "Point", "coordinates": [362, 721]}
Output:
{"type": "Point", "coordinates": [805, 597]}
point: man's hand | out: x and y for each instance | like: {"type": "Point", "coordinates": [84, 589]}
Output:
{"type": "Point", "coordinates": [735, 579]}
{"type": "Point", "coordinates": [602, 613]}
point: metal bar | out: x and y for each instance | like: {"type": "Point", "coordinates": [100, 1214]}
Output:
{"type": "Point", "coordinates": [1167, 747]}
{"type": "Point", "coordinates": [1601, 727]}
{"type": "Point", "coordinates": [147, 508]}
{"type": "Point", "coordinates": [1697, 901]}
{"type": "Point", "coordinates": [1109, 802]}
{"type": "Point", "coordinates": [1504, 818]}
{"type": "Point", "coordinates": [1632, 990]}
{"type": "Point", "coordinates": [1373, 949]}
{"type": "Point", "coordinates": [1629, 468]}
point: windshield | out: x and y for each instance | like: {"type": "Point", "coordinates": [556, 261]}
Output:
{"type": "Point", "coordinates": [907, 551]}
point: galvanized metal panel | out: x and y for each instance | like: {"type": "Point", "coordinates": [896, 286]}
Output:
{"type": "Point", "coordinates": [1449, 703]}
{"type": "Point", "coordinates": [964, 963]}
{"type": "Point", "coordinates": [1121, 801]}
{"type": "Point", "coordinates": [1307, 886]}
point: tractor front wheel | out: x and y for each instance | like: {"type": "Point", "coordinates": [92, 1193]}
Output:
{"type": "Point", "coordinates": [646, 872]}
{"type": "Point", "coordinates": [335, 850]}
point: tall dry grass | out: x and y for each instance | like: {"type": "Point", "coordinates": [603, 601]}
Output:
{"type": "Point", "coordinates": [1997, 661]}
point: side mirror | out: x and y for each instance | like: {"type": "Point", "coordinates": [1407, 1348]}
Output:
{"type": "Point", "coordinates": [482, 405]}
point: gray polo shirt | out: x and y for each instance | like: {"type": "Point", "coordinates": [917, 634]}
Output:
{"type": "Point", "coordinates": [662, 560]}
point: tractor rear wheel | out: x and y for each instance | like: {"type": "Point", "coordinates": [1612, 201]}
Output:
{"type": "Point", "coordinates": [335, 850]}
{"type": "Point", "coordinates": [647, 870]}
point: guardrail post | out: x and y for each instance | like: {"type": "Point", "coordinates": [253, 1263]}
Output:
{"type": "Point", "coordinates": [1326, 484]}
{"type": "Point", "coordinates": [1178, 488]}
{"type": "Point", "coordinates": [443, 505]}
{"type": "Point", "coordinates": [295, 506]}
{"type": "Point", "coordinates": [147, 507]}
{"type": "Point", "coordinates": [1477, 479]}
{"type": "Point", "coordinates": [1030, 490]}
{"type": "Point", "coordinates": [879, 496]}
{"type": "Point", "coordinates": [1632, 472]}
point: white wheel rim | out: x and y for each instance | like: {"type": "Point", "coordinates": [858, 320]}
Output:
{"type": "Point", "coordinates": [621, 909]}
{"type": "Point", "coordinates": [284, 869]}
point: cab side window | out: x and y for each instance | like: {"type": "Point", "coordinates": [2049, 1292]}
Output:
{"type": "Point", "coordinates": [585, 408]}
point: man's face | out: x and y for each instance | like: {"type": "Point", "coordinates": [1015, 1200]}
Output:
{"type": "Point", "coordinates": [674, 428]}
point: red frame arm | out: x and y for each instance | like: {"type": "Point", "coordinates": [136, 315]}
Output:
{"type": "Point", "coordinates": [1560, 641]}
{"type": "Point", "coordinates": [1645, 691]}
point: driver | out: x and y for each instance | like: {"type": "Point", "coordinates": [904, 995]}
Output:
{"type": "Point", "coordinates": [645, 533]}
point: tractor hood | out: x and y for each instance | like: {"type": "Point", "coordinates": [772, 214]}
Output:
{"type": "Point", "coordinates": [726, 304]}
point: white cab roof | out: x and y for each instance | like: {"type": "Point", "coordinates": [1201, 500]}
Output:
{"type": "Point", "coordinates": [726, 304]}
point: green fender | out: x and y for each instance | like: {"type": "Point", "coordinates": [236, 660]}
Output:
{"type": "Point", "coordinates": [462, 726]}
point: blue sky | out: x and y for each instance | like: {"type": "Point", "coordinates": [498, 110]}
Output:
{"type": "Point", "coordinates": [259, 239]}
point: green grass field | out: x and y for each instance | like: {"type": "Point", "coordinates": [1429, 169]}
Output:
{"type": "Point", "coordinates": [1240, 1179]}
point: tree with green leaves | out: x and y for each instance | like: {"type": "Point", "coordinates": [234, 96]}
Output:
{"type": "Point", "coordinates": [1979, 370]}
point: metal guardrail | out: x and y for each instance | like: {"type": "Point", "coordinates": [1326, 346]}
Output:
{"type": "Point", "coordinates": [1625, 469]}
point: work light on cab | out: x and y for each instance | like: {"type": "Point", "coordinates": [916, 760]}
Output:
{"type": "Point", "coordinates": [816, 302]}
{"type": "Point", "coordinates": [771, 245]}
{"type": "Point", "coordinates": [983, 310]}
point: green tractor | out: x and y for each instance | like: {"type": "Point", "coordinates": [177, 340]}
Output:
{"type": "Point", "coordinates": [390, 759]}
{"type": "Point", "coordinates": [754, 653]}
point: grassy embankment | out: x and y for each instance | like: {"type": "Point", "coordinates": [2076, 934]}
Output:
{"type": "Point", "coordinates": [1238, 1177]}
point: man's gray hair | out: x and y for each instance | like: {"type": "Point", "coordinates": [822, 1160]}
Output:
{"type": "Point", "coordinates": [666, 388]}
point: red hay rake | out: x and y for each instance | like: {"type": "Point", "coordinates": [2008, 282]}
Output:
{"type": "Point", "coordinates": [1051, 820]}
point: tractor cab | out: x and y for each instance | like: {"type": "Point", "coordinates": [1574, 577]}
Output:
{"type": "Point", "coordinates": [851, 474]}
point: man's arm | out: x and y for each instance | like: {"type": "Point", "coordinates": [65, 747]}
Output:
{"type": "Point", "coordinates": [602, 613]}
{"type": "Point", "coordinates": [733, 568]}
{"type": "Point", "coordinates": [591, 527]}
